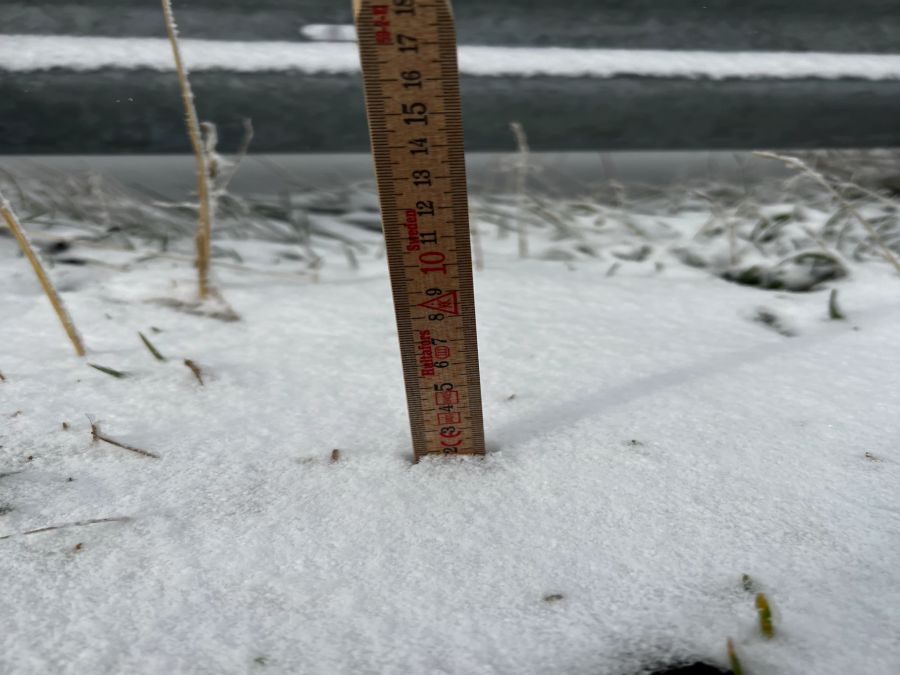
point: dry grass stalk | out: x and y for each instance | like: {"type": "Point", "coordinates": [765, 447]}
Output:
{"type": "Point", "coordinates": [352, 260]}
{"type": "Point", "coordinates": [848, 207]}
{"type": "Point", "coordinates": [477, 249]}
{"type": "Point", "coordinates": [765, 616]}
{"type": "Point", "coordinates": [216, 308]}
{"type": "Point", "coordinates": [96, 437]}
{"type": "Point", "coordinates": [58, 306]}
{"type": "Point", "coordinates": [242, 154]}
{"type": "Point", "coordinates": [733, 659]}
{"type": "Point", "coordinates": [521, 175]}
{"type": "Point", "coordinates": [77, 523]}
{"type": "Point", "coordinates": [834, 310]}
{"type": "Point", "coordinates": [204, 224]}
{"type": "Point", "coordinates": [195, 369]}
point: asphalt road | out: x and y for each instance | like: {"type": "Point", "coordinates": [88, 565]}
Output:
{"type": "Point", "coordinates": [133, 112]}
{"type": "Point", "coordinates": [774, 25]}
{"type": "Point", "coordinates": [127, 112]}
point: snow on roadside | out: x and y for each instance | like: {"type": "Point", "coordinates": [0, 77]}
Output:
{"type": "Point", "coordinates": [651, 444]}
{"type": "Point", "coordinates": [44, 52]}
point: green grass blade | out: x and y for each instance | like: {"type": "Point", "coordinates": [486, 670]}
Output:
{"type": "Point", "coordinates": [109, 371]}
{"type": "Point", "coordinates": [151, 347]}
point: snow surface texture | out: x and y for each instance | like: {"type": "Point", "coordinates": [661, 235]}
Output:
{"type": "Point", "coordinates": [40, 52]}
{"type": "Point", "coordinates": [651, 442]}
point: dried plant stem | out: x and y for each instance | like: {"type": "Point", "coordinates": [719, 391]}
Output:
{"type": "Point", "coordinates": [204, 224]}
{"type": "Point", "coordinates": [477, 249]}
{"type": "Point", "coordinates": [229, 265]}
{"type": "Point", "coordinates": [242, 154]}
{"type": "Point", "coordinates": [732, 241]}
{"type": "Point", "coordinates": [733, 659]}
{"type": "Point", "coordinates": [195, 369]}
{"type": "Point", "coordinates": [834, 310]}
{"type": "Point", "coordinates": [77, 523]}
{"type": "Point", "coordinates": [58, 306]}
{"type": "Point", "coordinates": [765, 616]}
{"type": "Point", "coordinates": [96, 436]}
{"type": "Point", "coordinates": [521, 174]}
{"type": "Point", "coordinates": [852, 210]}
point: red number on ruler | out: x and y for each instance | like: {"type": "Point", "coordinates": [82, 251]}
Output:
{"type": "Point", "coordinates": [446, 397]}
{"type": "Point", "coordinates": [382, 23]}
{"type": "Point", "coordinates": [435, 262]}
{"type": "Point", "coordinates": [449, 418]}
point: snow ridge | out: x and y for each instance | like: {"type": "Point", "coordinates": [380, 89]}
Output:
{"type": "Point", "coordinates": [23, 53]}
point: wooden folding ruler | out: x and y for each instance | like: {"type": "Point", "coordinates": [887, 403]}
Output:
{"type": "Point", "coordinates": [408, 51]}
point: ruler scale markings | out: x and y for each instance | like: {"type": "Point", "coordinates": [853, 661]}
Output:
{"type": "Point", "coordinates": [411, 80]}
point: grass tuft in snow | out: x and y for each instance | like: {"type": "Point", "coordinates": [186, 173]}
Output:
{"type": "Point", "coordinates": [799, 164]}
{"type": "Point", "coordinates": [771, 320]}
{"type": "Point", "coordinates": [797, 273]}
{"type": "Point", "coordinates": [773, 234]}
{"type": "Point", "coordinates": [747, 583]}
{"type": "Point", "coordinates": [766, 626]}
{"type": "Point", "coordinates": [834, 310]}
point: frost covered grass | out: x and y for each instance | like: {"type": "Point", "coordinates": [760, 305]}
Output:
{"type": "Point", "coordinates": [203, 155]}
{"type": "Point", "coordinates": [12, 222]}
{"type": "Point", "coordinates": [783, 235]}
{"type": "Point", "coordinates": [658, 456]}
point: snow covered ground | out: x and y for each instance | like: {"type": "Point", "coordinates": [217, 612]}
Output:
{"type": "Point", "coordinates": [653, 438]}
{"type": "Point", "coordinates": [43, 52]}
